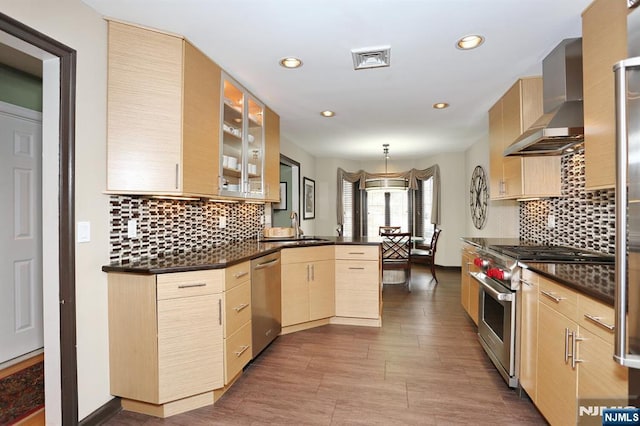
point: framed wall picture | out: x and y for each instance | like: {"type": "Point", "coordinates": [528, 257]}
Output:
{"type": "Point", "coordinates": [309, 198]}
{"type": "Point", "coordinates": [282, 205]}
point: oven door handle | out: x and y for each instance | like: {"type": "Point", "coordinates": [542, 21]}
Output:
{"type": "Point", "coordinates": [491, 290]}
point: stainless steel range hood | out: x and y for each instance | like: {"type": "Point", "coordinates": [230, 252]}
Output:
{"type": "Point", "coordinates": [562, 124]}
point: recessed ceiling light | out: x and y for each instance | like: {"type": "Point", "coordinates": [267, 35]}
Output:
{"type": "Point", "coordinates": [291, 62]}
{"type": "Point", "coordinates": [327, 113]}
{"type": "Point", "coordinates": [470, 42]}
{"type": "Point", "coordinates": [441, 105]}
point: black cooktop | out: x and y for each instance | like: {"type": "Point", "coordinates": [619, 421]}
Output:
{"type": "Point", "coordinates": [553, 254]}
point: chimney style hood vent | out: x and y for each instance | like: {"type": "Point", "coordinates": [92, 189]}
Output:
{"type": "Point", "coordinates": [562, 124]}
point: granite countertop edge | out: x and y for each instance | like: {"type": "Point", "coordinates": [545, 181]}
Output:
{"type": "Point", "coordinates": [223, 256]}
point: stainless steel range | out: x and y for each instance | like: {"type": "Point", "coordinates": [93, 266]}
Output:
{"type": "Point", "coordinates": [499, 277]}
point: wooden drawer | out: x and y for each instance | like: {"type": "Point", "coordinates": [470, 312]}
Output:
{"type": "Point", "coordinates": [237, 274]}
{"type": "Point", "coordinates": [237, 352]}
{"type": "Point", "coordinates": [237, 307]}
{"type": "Point", "coordinates": [357, 289]}
{"type": "Point", "coordinates": [357, 252]}
{"type": "Point", "coordinates": [188, 284]}
{"type": "Point", "coordinates": [559, 297]}
{"type": "Point", "coordinates": [356, 272]}
{"type": "Point", "coordinates": [307, 254]}
{"type": "Point", "coordinates": [596, 317]}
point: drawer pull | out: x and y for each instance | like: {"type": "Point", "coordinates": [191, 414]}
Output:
{"type": "Point", "coordinates": [240, 274]}
{"type": "Point", "coordinates": [354, 267]}
{"type": "Point", "coordinates": [192, 285]}
{"type": "Point", "coordinates": [552, 296]}
{"type": "Point", "coordinates": [356, 252]}
{"type": "Point", "coordinates": [241, 307]}
{"type": "Point", "coordinates": [526, 282]}
{"type": "Point", "coordinates": [598, 321]}
{"type": "Point", "coordinates": [241, 351]}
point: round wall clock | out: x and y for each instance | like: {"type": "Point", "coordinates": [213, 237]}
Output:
{"type": "Point", "coordinates": [479, 195]}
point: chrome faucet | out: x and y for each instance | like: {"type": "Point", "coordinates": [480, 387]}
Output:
{"type": "Point", "coordinates": [296, 225]}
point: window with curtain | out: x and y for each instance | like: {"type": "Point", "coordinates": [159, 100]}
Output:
{"type": "Point", "coordinates": [396, 208]}
{"type": "Point", "coordinates": [361, 213]}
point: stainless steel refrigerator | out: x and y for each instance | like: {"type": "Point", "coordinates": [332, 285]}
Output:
{"type": "Point", "coordinates": [627, 87]}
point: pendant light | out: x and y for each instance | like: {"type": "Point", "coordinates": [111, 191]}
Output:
{"type": "Point", "coordinates": [386, 184]}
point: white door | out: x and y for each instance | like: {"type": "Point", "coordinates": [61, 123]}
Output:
{"type": "Point", "coordinates": [21, 327]}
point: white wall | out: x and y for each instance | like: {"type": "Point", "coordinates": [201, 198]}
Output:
{"type": "Point", "coordinates": [307, 169]}
{"type": "Point", "coordinates": [503, 215]}
{"type": "Point", "coordinates": [74, 24]}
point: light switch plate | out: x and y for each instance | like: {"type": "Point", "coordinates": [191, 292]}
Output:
{"type": "Point", "coordinates": [222, 222]}
{"type": "Point", "coordinates": [551, 221]}
{"type": "Point", "coordinates": [84, 232]}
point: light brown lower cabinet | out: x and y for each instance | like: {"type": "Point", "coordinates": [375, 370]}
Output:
{"type": "Point", "coordinates": [529, 332]}
{"type": "Point", "coordinates": [571, 365]}
{"type": "Point", "coordinates": [237, 320]}
{"type": "Point", "coordinates": [358, 281]}
{"type": "Point", "coordinates": [165, 340]}
{"type": "Point", "coordinates": [470, 289]}
{"type": "Point", "coordinates": [308, 284]}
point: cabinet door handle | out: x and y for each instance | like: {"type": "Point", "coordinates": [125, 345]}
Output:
{"type": "Point", "coordinates": [356, 252]}
{"type": "Point", "coordinates": [313, 273]}
{"type": "Point", "coordinates": [241, 307]}
{"type": "Point", "coordinates": [308, 275]}
{"type": "Point", "coordinates": [552, 296]}
{"type": "Point", "coordinates": [574, 351]}
{"type": "Point", "coordinates": [177, 172]}
{"type": "Point", "coordinates": [192, 285]}
{"type": "Point", "coordinates": [566, 345]}
{"type": "Point", "coordinates": [240, 274]}
{"type": "Point", "coordinates": [354, 267]}
{"type": "Point", "coordinates": [242, 350]}
{"type": "Point", "coordinates": [598, 321]}
{"type": "Point", "coordinates": [220, 311]}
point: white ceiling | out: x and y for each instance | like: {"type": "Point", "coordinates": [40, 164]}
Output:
{"type": "Point", "coordinates": [391, 105]}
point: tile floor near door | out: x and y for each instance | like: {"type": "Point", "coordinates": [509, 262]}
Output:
{"type": "Point", "coordinates": [423, 367]}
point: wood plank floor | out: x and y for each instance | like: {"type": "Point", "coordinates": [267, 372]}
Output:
{"type": "Point", "coordinates": [423, 367]}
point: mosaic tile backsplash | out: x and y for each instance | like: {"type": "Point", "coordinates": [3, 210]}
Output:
{"type": "Point", "coordinates": [584, 219]}
{"type": "Point", "coordinates": [175, 226]}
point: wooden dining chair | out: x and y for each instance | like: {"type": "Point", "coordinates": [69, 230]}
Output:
{"type": "Point", "coordinates": [396, 254]}
{"type": "Point", "coordinates": [427, 254]}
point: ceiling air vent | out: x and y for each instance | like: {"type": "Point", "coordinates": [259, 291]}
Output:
{"type": "Point", "coordinates": [371, 57]}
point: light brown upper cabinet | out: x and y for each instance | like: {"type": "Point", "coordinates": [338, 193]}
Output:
{"type": "Point", "coordinates": [604, 42]}
{"type": "Point", "coordinates": [250, 145]}
{"type": "Point", "coordinates": [163, 114]}
{"type": "Point", "coordinates": [171, 123]}
{"type": "Point", "coordinates": [518, 177]}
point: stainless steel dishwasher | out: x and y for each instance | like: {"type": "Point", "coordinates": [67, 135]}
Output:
{"type": "Point", "coordinates": [265, 301]}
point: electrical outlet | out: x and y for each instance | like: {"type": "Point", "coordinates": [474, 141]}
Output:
{"type": "Point", "coordinates": [551, 221]}
{"type": "Point", "coordinates": [132, 228]}
{"type": "Point", "coordinates": [222, 222]}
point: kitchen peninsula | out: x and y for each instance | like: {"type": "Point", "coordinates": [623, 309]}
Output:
{"type": "Point", "coordinates": [180, 324]}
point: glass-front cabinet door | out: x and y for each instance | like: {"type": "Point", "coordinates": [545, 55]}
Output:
{"type": "Point", "coordinates": [242, 141]}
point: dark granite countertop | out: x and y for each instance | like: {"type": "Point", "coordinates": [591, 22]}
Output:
{"type": "Point", "coordinates": [597, 281]}
{"type": "Point", "coordinates": [223, 256]}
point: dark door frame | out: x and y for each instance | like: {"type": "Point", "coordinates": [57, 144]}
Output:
{"type": "Point", "coordinates": [66, 198]}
